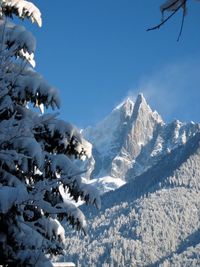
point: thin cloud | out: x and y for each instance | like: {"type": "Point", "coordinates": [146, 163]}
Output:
{"type": "Point", "coordinates": [174, 91]}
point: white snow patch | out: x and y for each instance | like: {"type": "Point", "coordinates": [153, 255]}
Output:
{"type": "Point", "coordinates": [106, 183]}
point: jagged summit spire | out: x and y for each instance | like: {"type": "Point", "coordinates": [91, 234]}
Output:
{"type": "Point", "coordinates": [141, 108]}
{"type": "Point", "coordinates": [127, 107]}
{"type": "Point", "coordinates": [131, 107]}
{"type": "Point", "coordinates": [134, 107]}
{"type": "Point", "coordinates": [141, 105]}
{"type": "Point", "coordinates": [126, 102]}
{"type": "Point", "coordinates": [140, 98]}
{"type": "Point", "coordinates": [130, 101]}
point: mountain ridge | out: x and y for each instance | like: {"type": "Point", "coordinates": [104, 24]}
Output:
{"type": "Point", "coordinates": [154, 219]}
{"type": "Point", "coordinates": [132, 138]}
{"type": "Point", "coordinates": [163, 169]}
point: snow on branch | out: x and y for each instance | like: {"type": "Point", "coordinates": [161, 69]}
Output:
{"type": "Point", "coordinates": [31, 148]}
{"type": "Point", "coordinates": [63, 210]}
{"type": "Point", "coordinates": [29, 86]}
{"type": "Point", "coordinates": [11, 196]}
{"type": "Point", "coordinates": [67, 139]}
{"type": "Point", "coordinates": [38, 152]}
{"type": "Point", "coordinates": [16, 41]}
{"type": "Point", "coordinates": [68, 175]}
{"type": "Point", "coordinates": [18, 36]}
{"type": "Point", "coordinates": [23, 9]}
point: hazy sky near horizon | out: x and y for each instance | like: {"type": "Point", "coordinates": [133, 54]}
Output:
{"type": "Point", "coordinates": [98, 52]}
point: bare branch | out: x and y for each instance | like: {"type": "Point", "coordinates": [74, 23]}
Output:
{"type": "Point", "coordinates": [171, 15]}
{"type": "Point", "coordinates": [181, 29]}
{"type": "Point", "coordinates": [169, 6]}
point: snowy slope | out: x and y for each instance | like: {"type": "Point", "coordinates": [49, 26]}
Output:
{"type": "Point", "coordinates": [106, 183]}
{"type": "Point", "coordinates": [153, 220]}
{"type": "Point", "coordinates": [107, 137]}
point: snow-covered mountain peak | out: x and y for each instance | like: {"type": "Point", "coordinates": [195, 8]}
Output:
{"type": "Point", "coordinates": [104, 134]}
{"type": "Point", "coordinates": [140, 99]}
{"type": "Point", "coordinates": [119, 138]}
{"type": "Point", "coordinates": [142, 109]}
{"type": "Point", "coordinates": [141, 103]}
{"type": "Point", "coordinates": [157, 166]}
{"type": "Point", "coordinates": [132, 138]}
{"type": "Point", "coordinates": [126, 101]}
{"type": "Point", "coordinates": [125, 107]}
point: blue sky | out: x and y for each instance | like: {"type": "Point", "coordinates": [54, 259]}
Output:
{"type": "Point", "coordinates": [97, 52]}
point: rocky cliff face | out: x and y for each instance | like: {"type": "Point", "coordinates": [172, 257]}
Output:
{"type": "Point", "coordinates": [133, 138]}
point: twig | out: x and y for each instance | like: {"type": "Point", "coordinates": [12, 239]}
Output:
{"type": "Point", "coordinates": [169, 6]}
{"type": "Point", "coordinates": [181, 29]}
{"type": "Point", "coordinates": [171, 15]}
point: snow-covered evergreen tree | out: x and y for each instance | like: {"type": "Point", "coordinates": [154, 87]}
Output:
{"type": "Point", "coordinates": [36, 152]}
